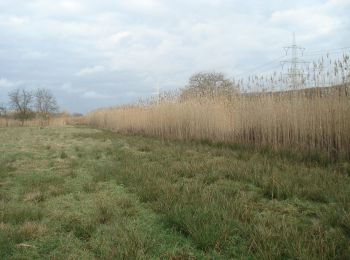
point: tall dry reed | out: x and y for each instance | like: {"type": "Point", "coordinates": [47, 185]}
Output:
{"type": "Point", "coordinates": [312, 120]}
{"type": "Point", "coordinates": [312, 116]}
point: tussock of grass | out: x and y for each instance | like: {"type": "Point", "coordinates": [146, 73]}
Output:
{"type": "Point", "coordinates": [33, 197]}
{"type": "Point", "coordinates": [103, 173]}
{"type": "Point", "coordinates": [130, 197]}
{"type": "Point", "coordinates": [63, 155]}
{"type": "Point", "coordinates": [20, 212]}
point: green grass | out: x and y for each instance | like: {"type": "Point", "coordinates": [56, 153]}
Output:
{"type": "Point", "coordinates": [82, 193]}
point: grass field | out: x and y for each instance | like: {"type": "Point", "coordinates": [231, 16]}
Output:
{"type": "Point", "coordinates": [80, 193]}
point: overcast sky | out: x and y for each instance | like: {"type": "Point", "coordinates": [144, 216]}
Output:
{"type": "Point", "coordinates": [97, 53]}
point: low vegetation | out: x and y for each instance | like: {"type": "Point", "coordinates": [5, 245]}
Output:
{"type": "Point", "coordinates": [29, 108]}
{"type": "Point", "coordinates": [80, 193]}
{"type": "Point", "coordinates": [58, 120]}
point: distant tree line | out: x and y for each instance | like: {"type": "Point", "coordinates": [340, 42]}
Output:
{"type": "Point", "coordinates": [25, 105]}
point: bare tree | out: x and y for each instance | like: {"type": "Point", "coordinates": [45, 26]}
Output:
{"type": "Point", "coordinates": [2, 110]}
{"type": "Point", "coordinates": [21, 102]}
{"type": "Point", "coordinates": [3, 113]}
{"type": "Point", "coordinates": [209, 85]}
{"type": "Point", "coordinates": [45, 104]}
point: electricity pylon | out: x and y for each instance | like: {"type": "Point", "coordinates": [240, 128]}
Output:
{"type": "Point", "coordinates": [158, 89]}
{"type": "Point", "coordinates": [295, 71]}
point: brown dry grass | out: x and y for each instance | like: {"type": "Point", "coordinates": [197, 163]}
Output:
{"type": "Point", "coordinates": [59, 121]}
{"type": "Point", "coordinates": [312, 121]}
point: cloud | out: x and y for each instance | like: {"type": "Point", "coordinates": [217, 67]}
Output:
{"type": "Point", "coordinates": [13, 21]}
{"type": "Point", "coordinates": [70, 6]}
{"type": "Point", "coordinates": [113, 40]}
{"type": "Point", "coordinates": [340, 2]}
{"type": "Point", "coordinates": [144, 6]}
{"type": "Point", "coordinates": [90, 70]}
{"type": "Point", "coordinates": [68, 88]}
{"type": "Point", "coordinates": [308, 22]}
{"type": "Point", "coordinates": [95, 95]}
{"type": "Point", "coordinates": [34, 55]}
{"type": "Point", "coordinates": [106, 49]}
{"type": "Point", "coordinates": [5, 83]}
{"type": "Point", "coordinates": [58, 6]}
{"type": "Point", "coordinates": [83, 93]}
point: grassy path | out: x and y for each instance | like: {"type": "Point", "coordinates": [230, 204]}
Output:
{"type": "Point", "coordinates": [80, 193]}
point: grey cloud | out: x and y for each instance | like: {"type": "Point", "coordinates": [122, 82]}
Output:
{"type": "Point", "coordinates": [99, 53]}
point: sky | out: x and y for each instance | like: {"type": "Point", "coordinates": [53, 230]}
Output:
{"type": "Point", "coordinates": [101, 53]}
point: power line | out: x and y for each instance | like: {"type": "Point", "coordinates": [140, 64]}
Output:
{"type": "Point", "coordinates": [294, 61]}
{"type": "Point", "coordinates": [326, 51]}
{"type": "Point", "coordinates": [260, 67]}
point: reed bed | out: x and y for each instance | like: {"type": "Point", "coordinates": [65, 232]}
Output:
{"type": "Point", "coordinates": [312, 121]}
{"type": "Point", "coordinates": [312, 117]}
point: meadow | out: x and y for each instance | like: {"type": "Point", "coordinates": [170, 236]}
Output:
{"type": "Point", "coordinates": [82, 193]}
